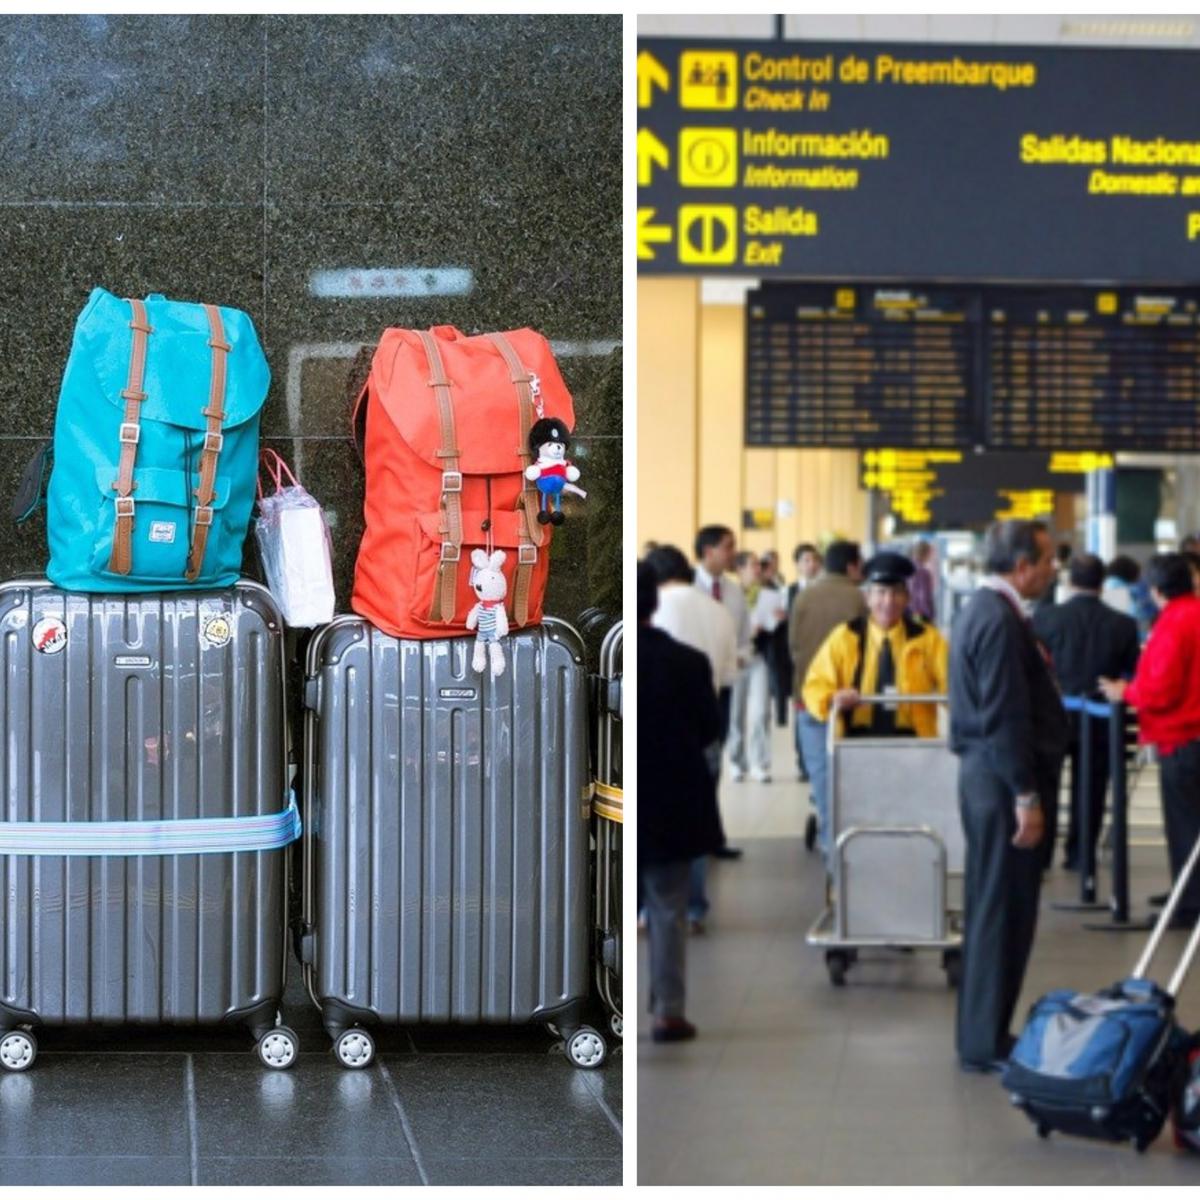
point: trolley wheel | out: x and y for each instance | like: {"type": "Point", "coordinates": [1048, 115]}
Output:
{"type": "Point", "coordinates": [354, 1049]}
{"type": "Point", "coordinates": [1043, 1131]}
{"type": "Point", "coordinates": [18, 1049]}
{"type": "Point", "coordinates": [837, 963]}
{"type": "Point", "coordinates": [810, 831]}
{"type": "Point", "coordinates": [586, 1048]}
{"type": "Point", "coordinates": [1141, 1145]}
{"type": "Point", "coordinates": [278, 1049]}
{"type": "Point", "coordinates": [952, 965]}
{"type": "Point", "coordinates": [617, 1025]}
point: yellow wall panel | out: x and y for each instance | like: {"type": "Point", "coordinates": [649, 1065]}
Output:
{"type": "Point", "coordinates": [721, 494]}
{"type": "Point", "coordinates": [667, 411]}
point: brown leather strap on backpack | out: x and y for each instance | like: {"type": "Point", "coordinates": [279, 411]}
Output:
{"type": "Point", "coordinates": [214, 440]}
{"type": "Point", "coordinates": [446, 587]}
{"type": "Point", "coordinates": [531, 534]}
{"type": "Point", "coordinates": [120, 561]}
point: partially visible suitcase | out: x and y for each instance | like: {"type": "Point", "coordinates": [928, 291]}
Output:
{"type": "Point", "coordinates": [446, 844]}
{"type": "Point", "coordinates": [608, 807]}
{"type": "Point", "coordinates": [135, 726]}
{"type": "Point", "coordinates": [1107, 1065]}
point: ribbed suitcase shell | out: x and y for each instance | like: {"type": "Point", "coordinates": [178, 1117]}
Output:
{"type": "Point", "coordinates": [158, 707]}
{"type": "Point", "coordinates": [446, 840]}
{"type": "Point", "coordinates": [609, 827]}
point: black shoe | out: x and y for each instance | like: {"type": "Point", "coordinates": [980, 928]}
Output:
{"type": "Point", "coordinates": [1070, 864]}
{"type": "Point", "coordinates": [672, 1029]}
{"type": "Point", "coordinates": [543, 518]}
{"type": "Point", "coordinates": [558, 518]}
{"type": "Point", "coordinates": [728, 852]}
{"type": "Point", "coordinates": [1157, 901]}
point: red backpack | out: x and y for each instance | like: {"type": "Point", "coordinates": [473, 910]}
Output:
{"type": "Point", "coordinates": [447, 420]}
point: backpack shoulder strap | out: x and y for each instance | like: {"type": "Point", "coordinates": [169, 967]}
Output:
{"type": "Point", "coordinates": [214, 441]}
{"type": "Point", "coordinates": [120, 561]}
{"type": "Point", "coordinates": [446, 587]}
{"type": "Point", "coordinates": [531, 534]}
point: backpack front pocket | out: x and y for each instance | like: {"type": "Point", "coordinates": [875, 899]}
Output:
{"type": "Point", "coordinates": [163, 507]}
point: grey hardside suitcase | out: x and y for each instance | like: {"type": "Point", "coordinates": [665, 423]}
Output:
{"type": "Point", "coordinates": [141, 708]}
{"type": "Point", "coordinates": [608, 807]}
{"type": "Point", "coordinates": [446, 835]}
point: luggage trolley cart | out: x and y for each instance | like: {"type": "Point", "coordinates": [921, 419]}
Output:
{"type": "Point", "coordinates": [609, 812]}
{"type": "Point", "coordinates": [899, 850]}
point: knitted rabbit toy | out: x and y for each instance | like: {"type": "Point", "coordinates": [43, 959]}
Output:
{"type": "Point", "coordinates": [488, 618]}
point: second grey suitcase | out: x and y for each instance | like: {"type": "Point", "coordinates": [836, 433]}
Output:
{"type": "Point", "coordinates": [446, 843]}
{"type": "Point", "coordinates": [142, 721]}
{"type": "Point", "coordinates": [609, 809]}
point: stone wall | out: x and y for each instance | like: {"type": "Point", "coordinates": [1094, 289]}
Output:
{"type": "Point", "coordinates": [229, 159]}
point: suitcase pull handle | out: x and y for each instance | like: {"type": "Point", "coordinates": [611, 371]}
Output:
{"type": "Point", "coordinates": [1160, 928]}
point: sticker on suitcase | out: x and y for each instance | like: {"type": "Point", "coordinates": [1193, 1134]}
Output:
{"type": "Point", "coordinates": [49, 635]}
{"type": "Point", "coordinates": [217, 631]}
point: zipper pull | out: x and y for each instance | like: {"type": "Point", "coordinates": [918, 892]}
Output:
{"type": "Point", "coordinates": [535, 391]}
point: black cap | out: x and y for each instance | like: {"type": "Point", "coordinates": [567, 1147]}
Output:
{"type": "Point", "coordinates": [888, 568]}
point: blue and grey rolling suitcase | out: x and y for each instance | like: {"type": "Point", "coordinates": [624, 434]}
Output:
{"type": "Point", "coordinates": [1108, 1064]}
{"type": "Point", "coordinates": [145, 814]}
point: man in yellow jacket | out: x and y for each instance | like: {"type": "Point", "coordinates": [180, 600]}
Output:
{"type": "Point", "coordinates": [886, 652]}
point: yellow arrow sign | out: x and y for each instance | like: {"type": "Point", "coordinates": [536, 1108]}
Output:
{"type": "Point", "coordinates": [647, 233]}
{"type": "Point", "coordinates": [650, 151]}
{"type": "Point", "coordinates": [650, 74]}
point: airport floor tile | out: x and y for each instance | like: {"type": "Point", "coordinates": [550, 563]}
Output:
{"type": "Point", "coordinates": [469, 1106]}
{"type": "Point", "coordinates": [792, 1080]}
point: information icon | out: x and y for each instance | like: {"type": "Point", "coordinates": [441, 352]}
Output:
{"type": "Point", "coordinates": [708, 157]}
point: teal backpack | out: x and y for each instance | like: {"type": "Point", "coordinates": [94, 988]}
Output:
{"type": "Point", "coordinates": [155, 446]}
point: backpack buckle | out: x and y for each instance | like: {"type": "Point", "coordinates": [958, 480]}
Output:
{"type": "Point", "coordinates": [125, 506]}
{"type": "Point", "coordinates": [451, 481]}
{"type": "Point", "coordinates": [131, 433]}
{"type": "Point", "coordinates": [450, 552]}
{"type": "Point", "coordinates": [204, 516]}
{"type": "Point", "coordinates": [527, 554]}
{"type": "Point", "coordinates": [213, 443]}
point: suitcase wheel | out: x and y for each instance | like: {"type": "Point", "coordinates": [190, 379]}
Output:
{"type": "Point", "coordinates": [354, 1049]}
{"type": "Point", "coordinates": [586, 1048]}
{"type": "Point", "coordinates": [18, 1049]}
{"type": "Point", "coordinates": [617, 1025]}
{"type": "Point", "coordinates": [810, 831]}
{"type": "Point", "coordinates": [837, 963]}
{"type": "Point", "coordinates": [278, 1049]}
{"type": "Point", "coordinates": [1043, 1131]}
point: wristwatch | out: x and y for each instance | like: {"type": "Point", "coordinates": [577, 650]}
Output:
{"type": "Point", "coordinates": [1029, 801]}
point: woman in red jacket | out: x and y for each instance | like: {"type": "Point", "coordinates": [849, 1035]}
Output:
{"type": "Point", "coordinates": [1166, 692]}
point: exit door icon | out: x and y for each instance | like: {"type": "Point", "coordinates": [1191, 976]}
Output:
{"type": "Point", "coordinates": [708, 233]}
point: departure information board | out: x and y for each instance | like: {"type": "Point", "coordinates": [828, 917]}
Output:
{"type": "Point", "coordinates": [944, 367]}
{"type": "Point", "coordinates": [800, 159]}
{"type": "Point", "coordinates": [829, 365]}
{"type": "Point", "coordinates": [1081, 369]}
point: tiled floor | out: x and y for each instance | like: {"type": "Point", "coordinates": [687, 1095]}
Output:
{"type": "Point", "coordinates": [792, 1081]}
{"type": "Point", "coordinates": [439, 1106]}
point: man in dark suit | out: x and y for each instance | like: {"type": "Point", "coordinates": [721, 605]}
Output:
{"type": "Point", "coordinates": [679, 745]}
{"type": "Point", "coordinates": [1009, 730]}
{"type": "Point", "coordinates": [1087, 639]}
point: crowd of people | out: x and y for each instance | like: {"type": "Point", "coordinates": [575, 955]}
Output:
{"type": "Point", "coordinates": [727, 646]}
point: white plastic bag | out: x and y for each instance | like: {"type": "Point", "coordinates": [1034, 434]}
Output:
{"type": "Point", "coordinates": [293, 539]}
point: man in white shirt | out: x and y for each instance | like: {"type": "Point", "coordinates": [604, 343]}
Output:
{"type": "Point", "coordinates": [715, 551]}
{"type": "Point", "coordinates": [750, 705]}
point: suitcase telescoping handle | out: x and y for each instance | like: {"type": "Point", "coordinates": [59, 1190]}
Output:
{"type": "Point", "coordinates": [1164, 919]}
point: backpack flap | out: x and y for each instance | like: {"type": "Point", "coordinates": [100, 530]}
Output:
{"type": "Point", "coordinates": [489, 430]}
{"type": "Point", "coordinates": [178, 350]}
